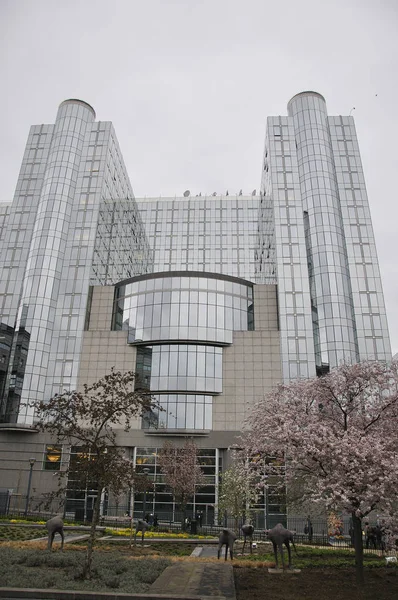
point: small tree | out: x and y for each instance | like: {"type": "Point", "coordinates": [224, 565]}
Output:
{"type": "Point", "coordinates": [182, 472]}
{"type": "Point", "coordinates": [238, 491]}
{"type": "Point", "coordinates": [338, 436]}
{"type": "Point", "coordinates": [87, 420]}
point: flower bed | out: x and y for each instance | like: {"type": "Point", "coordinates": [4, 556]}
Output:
{"type": "Point", "coordinates": [157, 534]}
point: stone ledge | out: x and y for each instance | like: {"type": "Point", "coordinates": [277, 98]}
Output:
{"type": "Point", "coordinates": [47, 594]}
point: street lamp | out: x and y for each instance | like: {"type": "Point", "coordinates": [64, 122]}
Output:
{"type": "Point", "coordinates": [266, 508]}
{"type": "Point", "coordinates": [31, 463]}
{"type": "Point", "coordinates": [266, 501]}
{"type": "Point", "coordinates": [10, 492]}
{"type": "Point", "coordinates": [145, 471]}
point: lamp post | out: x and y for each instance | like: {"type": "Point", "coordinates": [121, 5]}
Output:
{"type": "Point", "coordinates": [266, 502]}
{"type": "Point", "coordinates": [146, 471]}
{"type": "Point", "coordinates": [10, 492]}
{"type": "Point", "coordinates": [31, 463]}
{"type": "Point", "coordinates": [266, 508]}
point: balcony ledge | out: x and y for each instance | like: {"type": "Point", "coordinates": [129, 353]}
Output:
{"type": "Point", "coordinates": [20, 427]}
{"type": "Point", "coordinates": [177, 432]}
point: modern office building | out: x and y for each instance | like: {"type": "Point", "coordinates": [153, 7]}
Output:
{"type": "Point", "coordinates": [211, 300]}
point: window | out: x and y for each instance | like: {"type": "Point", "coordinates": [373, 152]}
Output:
{"type": "Point", "coordinates": [52, 458]}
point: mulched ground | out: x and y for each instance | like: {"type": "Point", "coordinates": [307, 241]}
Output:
{"type": "Point", "coordinates": [315, 584]}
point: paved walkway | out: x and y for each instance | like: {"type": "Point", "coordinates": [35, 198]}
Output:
{"type": "Point", "coordinates": [210, 552]}
{"type": "Point", "coordinates": [205, 580]}
{"type": "Point", "coordinates": [69, 539]}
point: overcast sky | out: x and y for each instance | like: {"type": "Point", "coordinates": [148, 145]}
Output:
{"type": "Point", "coordinates": [188, 85]}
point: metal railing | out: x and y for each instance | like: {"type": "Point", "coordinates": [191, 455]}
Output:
{"type": "Point", "coordinates": [117, 517]}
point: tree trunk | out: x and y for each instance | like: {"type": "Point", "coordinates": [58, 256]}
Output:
{"type": "Point", "coordinates": [358, 545]}
{"type": "Point", "coordinates": [91, 539]}
{"type": "Point", "coordinates": [131, 513]}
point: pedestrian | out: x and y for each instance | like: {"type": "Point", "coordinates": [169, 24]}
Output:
{"type": "Point", "coordinates": [351, 532]}
{"type": "Point", "coordinates": [380, 533]}
{"type": "Point", "coordinates": [371, 537]}
{"type": "Point", "coordinates": [309, 529]}
{"type": "Point", "coordinates": [155, 520]}
{"type": "Point", "coordinates": [366, 528]}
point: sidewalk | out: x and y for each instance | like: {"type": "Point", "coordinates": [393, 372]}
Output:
{"type": "Point", "coordinates": [205, 580]}
{"type": "Point", "coordinates": [69, 539]}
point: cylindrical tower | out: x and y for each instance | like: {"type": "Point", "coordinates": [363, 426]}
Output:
{"type": "Point", "coordinates": [331, 297]}
{"type": "Point", "coordinates": [45, 261]}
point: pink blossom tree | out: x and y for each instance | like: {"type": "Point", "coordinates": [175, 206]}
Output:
{"type": "Point", "coordinates": [338, 437]}
{"type": "Point", "coordinates": [181, 470]}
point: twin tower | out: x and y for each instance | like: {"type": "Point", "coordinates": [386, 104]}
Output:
{"type": "Point", "coordinates": [74, 224]}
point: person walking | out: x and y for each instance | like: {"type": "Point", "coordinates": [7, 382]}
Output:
{"type": "Point", "coordinates": [309, 529]}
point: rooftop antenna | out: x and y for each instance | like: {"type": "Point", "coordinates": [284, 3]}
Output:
{"type": "Point", "coordinates": [240, 192]}
{"type": "Point", "coordinates": [227, 194]}
{"type": "Point", "coordinates": [214, 194]}
{"type": "Point", "coordinates": [187, 193]}
{"type": "Point", "coordinates": [353, 108]}
{"type": "Point", "coordinates": [254, 192]}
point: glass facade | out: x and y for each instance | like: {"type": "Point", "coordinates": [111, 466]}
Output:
{"type": "Point", "coordinates": [329, 289]}
{"type": "Point", "coordinates": [184, 306]}
{"type": "Point", "coordinates": [197, 314]}
{"type": "Point", "coordinates": [65, 227]}
{"type": "Point", "coordinates": [184, 271]}
{"type": "Point", "coordinates": [181, 411]}
{"type": "Point", "coordinates": [217, 234]}
{"type": "Point", "coordinates": [121, 249]}
{"type": "Point", "coordinates": [17, 223]}
{"type": "Point", "coordinates": [160, 501]}
{"type": "Point", "coordinates": [181, 367]}
{"type": "Point", "coordinates": [74, 223]}
{"type": "Point", "coordinates": [366, 285]}
{"type": "Point", "coordinates": [281, 183]}
{"type": "Point", "coordinates": [329, 278]}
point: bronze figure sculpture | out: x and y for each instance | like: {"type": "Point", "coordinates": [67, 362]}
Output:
{"type": "Point", "coordinates": [55, 525]}
{"type": "Point", "coordinates": [227, 537]}
{"type": "Point", "coordinates": [141, 526]}
{"type": "Point", "coordinates": [247, 531]}
{"type": "Point", "coordinates": [279, 535]}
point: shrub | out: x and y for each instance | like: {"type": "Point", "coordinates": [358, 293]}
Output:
{"type": "Point", "coordinates": [37, 568]}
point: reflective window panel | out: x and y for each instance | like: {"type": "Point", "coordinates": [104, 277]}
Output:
{"type": "Point", "coordinates": [182, 307]}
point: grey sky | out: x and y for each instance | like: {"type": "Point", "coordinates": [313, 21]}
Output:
{"type": "Point", "coordinates": [189, 84]}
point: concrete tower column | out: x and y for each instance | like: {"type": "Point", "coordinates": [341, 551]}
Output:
{"type": "Point", "coordinates": [330, 287]}
{"type": "Point", "coordinates": [45, 261]}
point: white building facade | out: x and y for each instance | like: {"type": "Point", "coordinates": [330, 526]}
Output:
{"type": "Point", "coordinates": [329, 287]}
{"type": "Point", "coordinates": [211, 300]}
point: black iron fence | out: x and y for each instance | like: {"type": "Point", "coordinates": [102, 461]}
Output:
{"type": "Point", "coordinates": [319, 533]}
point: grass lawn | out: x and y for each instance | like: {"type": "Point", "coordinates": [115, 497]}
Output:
{"type": "Point", "coordinates": [315, 584]}
{"type": "Point", "coordinates": [326, 575]}
{"type": "Point", "coordinates": [18, 534]}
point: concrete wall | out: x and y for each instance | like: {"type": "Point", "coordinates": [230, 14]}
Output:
{"type": "Point", "coordinates": [16, 448]}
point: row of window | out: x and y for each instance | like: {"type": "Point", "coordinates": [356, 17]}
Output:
{"type": "Point", "coordinates": [180, 411]}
